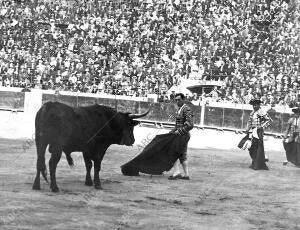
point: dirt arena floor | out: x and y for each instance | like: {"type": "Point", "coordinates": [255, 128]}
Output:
{"type": "Point", "coordinates": [223, 194]}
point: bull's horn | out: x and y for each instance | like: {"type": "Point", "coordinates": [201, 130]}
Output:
{"type": "Point", "coordinates": [135, 116]}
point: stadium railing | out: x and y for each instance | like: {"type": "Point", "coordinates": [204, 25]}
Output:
{"type": "Point", "coordinates": [217, 116]}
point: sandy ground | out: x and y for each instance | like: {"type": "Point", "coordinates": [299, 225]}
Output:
{"type": "Point", "coordinates": [223, 194]}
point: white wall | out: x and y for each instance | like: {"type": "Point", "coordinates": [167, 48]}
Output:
{"type": "Point", "coordinates": [21, 125]}
{"type": "Point", "coordinates": [207, 138]}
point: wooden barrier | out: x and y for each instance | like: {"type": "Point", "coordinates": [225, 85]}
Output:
{"type": "Point", "coordinates": [216, 117]}
{"type": "Point", "coordinates": [12, 101]}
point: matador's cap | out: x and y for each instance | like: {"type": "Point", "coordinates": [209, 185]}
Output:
{"type": "Point", "coordinates": [255, 101]}
{"type": "Point", "coordinates": [295, 107]}
{"type": "Point", "coordinates": [296, 110]}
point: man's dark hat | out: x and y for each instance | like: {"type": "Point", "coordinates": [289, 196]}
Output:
{"type": "Point", "coordinates": [255, 102]}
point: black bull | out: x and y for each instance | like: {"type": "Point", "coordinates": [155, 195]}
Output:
{"type": "Point", "coordinates": [90, 130]}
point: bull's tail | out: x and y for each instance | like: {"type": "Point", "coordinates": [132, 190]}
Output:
{"type": "Point", "coordinates": [41, 150]}
{"type": "Point", "coordinates": [41, 146]}
{"type": "Point", "coordinates": [41, 166]}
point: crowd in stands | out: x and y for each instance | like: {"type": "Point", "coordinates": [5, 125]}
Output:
{"type": "Point", "coordinates": [145, 47]}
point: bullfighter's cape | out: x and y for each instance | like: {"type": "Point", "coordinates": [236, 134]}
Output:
{"type": "Point", "coordinates": [157, 157]}
{"type": "Point", "coordinates": [256, 151]}
{"type": "Point", "coordinates": [292, 150]}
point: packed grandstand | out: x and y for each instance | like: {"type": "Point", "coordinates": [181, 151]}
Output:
{"type": "Point", "coordinates": [139, 47]}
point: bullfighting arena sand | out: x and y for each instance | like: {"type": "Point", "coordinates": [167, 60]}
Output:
{"type": "Point", "coordinates": [223, 193]}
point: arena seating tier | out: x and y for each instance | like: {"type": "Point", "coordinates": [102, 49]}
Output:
{"type": "Point", "coordinates": [145, 47]}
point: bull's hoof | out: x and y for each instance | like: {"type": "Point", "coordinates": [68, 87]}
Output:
{"type": "Point", "coordinates": [88, 183]}
{"type": "Point", "coordinates": [98, 186]}
{"type": "Point", "coordinates": [36, 187]}
{"type": "Point", "coordinates": [54, 189]}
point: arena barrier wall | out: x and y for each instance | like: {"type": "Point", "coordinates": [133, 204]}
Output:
{"type": "Point", "coordinates": [236, 119]}
{"type": "Point", "coordinates": [12, 101]}
{"type": "Point", "coordinates": [214, 116]}
{"type": "Point", "coordinates": [161, 112]}
{"type": "Point", "coordinates": [217, 125]}
{"type": "Point", "coordinates": [220, 116]}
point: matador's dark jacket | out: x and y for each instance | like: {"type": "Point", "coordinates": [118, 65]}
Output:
{"type": "Point", "coordinates": [184, 120]}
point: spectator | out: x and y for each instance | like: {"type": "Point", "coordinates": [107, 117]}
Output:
{"type": "Point", "coordinates": [214, 94]}
{"type": "Point", "coordinates": [250, 44]}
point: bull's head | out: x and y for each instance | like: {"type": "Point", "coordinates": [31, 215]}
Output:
{"type": "Point", "coordinates": [128, 127]}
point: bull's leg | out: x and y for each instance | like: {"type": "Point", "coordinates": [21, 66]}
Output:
{"type": "Point", "coordinates": [88, 166]}
{"type": "Point", "coordinates": [97, 168]}
{"type": "Point", "coordinates": [40, 164]}
{"type": "Point", "coordinates": [56, 152]}
{"type": "Point", "coordinates": [97, 157]}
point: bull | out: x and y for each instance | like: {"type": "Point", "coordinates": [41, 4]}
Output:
{"type": "Point", "coordinates": [90, 130]}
